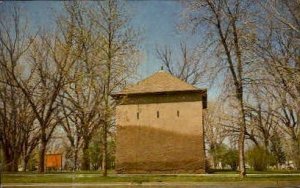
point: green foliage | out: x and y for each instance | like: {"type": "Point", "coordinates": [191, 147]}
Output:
{"type": "Point", "coordinates": [277, 152]}
{"type": "Point", "coordinates": [231, 158]}
{"type": "Point", "coordinates": [33, 163]}
{"type": "Point", "coordinates": [69, 158]}
{"type": "Point", "coordinates": [95, 153]}
{"type": "Point", "coordinates": [258, 158]}
{"type": "Point", "coordinates": [224, 155]}
{"type": "Point", "coordinates": [218, 153]}
{"type": "Point", "coordinates": [111, 153]}
{"type": "Point", "coordinates": [296, 152]}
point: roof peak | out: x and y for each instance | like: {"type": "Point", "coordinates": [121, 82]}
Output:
{"type": "Point", "coordinates": [159, 82]}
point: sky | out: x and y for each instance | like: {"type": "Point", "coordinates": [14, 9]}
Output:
{"type": "Point", "coordinates": [158, 19]}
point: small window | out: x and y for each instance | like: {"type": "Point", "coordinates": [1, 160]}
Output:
{"type": "Point", "coordinates": [157, 114]}
{"type": "Point", "coordinates": [177, 113]}
{"type": "Point", "coordinates": [137, 115]}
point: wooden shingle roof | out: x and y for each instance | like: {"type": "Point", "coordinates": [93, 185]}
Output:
{"type": "Point", "coordinates": [159, 82]}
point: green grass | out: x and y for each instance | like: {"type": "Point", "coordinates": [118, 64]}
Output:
{"type": "Point", "coordinates": [62, 172]}
{"type": "Point", "coordinates": [251, 171]}
{"type": "Point", "coordinates": [97, 178]}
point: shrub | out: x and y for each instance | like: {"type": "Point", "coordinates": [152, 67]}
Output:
{"type": "Point", "coordinates": [224, 155]}
{"type": "Point", "coordinates": [277, 151]}
{"type": "Point", "coordinates": [258, 158]}
{"type": "Point", "coordinates": [231, 158]}
{"type": "Point", "coordinates": [218, 153]}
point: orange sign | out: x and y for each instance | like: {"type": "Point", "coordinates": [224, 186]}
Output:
{"type": "Point", "coordinates": [54, 161]}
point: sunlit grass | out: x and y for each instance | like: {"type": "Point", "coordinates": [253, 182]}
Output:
{"type": "Point", "coordinates": [251, 171]}
{"type": "Point", "coordinates": [97, 178]}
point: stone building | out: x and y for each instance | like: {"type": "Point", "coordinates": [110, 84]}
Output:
{"type": "Point", "coordinates": [159, 126]}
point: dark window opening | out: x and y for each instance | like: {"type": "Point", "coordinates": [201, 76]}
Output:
{"type": "Point", "coordinates": [177, 113]}
{"type": "Point", "coordinates": [157, 114]}
{"type": "Point", "coordinates": [204, 100]}
{"type": "Point", "coordinates": [138, 115]}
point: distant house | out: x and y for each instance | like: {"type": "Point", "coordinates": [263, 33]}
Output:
{"type": "Point", "coordinates": [159, 126]}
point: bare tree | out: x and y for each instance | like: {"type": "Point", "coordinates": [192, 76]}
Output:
{"type": "Point", "coordinates": [118, 50]}
{"type": "Point", "coordinates": [285, 12]}
{"type": "Point", "coordinates": [226, 22]}
{"type": "Point", "coordinates": [82, 100]}
{"type": "Point", "coordinates": [15, 112]}
{"type": "Point", "coordinates": [50, 59]}
{"type": "Point", "coordinates": [189, 68]}
{"type": "Point", "coordinates": [16, 125]}
{"type": "Point", "coordinates": [260, 115]}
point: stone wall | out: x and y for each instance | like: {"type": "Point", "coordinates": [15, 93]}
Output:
{"type": "Point", "coordinates": [151, 150]}
{"type": "Point", "coordinates": [171, 142]}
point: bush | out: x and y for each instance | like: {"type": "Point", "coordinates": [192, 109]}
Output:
{"type": "Point", "coordinates": [224, 155]}
{"type": "Point", "coordinates": [231, 158]}
{"type": "Point", "coordinates": [218, 153]}
{"type": "Point", "coordinates": [277, 151]}
{"type": "Point", "coordinates": [258, 158]}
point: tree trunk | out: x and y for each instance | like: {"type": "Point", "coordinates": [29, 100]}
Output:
{"type": "Point", "coordinates": [241, 146]}
{"type": "Point", "coordinates": [15, 163]}
{"type": "Point", "coordinates": [106, 95]}
{"type": "Point", "coordinates": [85, 157]}
{"type": "Point", "coordinates": [242, 119]}
{"type": "Point", "coordinates": [7, 164]}
{"type": "Point", "coordinates": [237, 75]}
{"type": "Point", "coordinates": [11, 162]}
{"type": "Point", "coordinates": [104, 155]}
{"type": "Point", "coordinates": [106, 125]}
{"type": "Point", "coordinates": [26, 161]}
{"type": "Point", "coordinates": [42, 155]}
{"type": "Point", "coordinates": [75, 158]}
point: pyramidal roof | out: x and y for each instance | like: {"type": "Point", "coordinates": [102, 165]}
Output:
{"type": "Point", "coordinates": [159, 82]}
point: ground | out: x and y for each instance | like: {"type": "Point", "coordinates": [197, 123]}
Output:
{"type": "Point", "coordinates": [269, 179]}
{"type": "Point", "coordinates": [159, 185]}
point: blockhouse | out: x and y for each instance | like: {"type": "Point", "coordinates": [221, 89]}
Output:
{"type": "Point", "coordinates": [160, 126]}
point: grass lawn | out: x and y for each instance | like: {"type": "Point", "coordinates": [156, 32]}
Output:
{"type": "Point", "coordinates": [251, 171]}
{"type": "Point", "coordinates": [89, 177]}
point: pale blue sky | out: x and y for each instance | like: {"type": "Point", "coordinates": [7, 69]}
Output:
{"type": "Point", "coordinates": [157, 20]}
